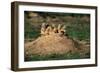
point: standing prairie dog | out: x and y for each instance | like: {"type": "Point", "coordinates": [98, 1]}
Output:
{"type": "Point", "coordinates": [48, 30]}
{"type": "Point", "coordinates": [59, 26]}
{"type": "Point", "coordinates": [43, 28]}
{"type": "Point", "coordinates": [55, 30]}
{"type": "Point", "coordinates": [61, 30]}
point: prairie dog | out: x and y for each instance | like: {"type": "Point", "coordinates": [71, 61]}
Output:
{"type": "Point", "coordinates": [62, 30]}
{"type": "Point", "coordinates": [43, 28]}
{"type": "Point", "coordinates": [48, 30]}
{"type": "Point", "coordinates": [55, 30]}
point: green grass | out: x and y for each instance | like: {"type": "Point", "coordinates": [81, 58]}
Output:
{"type": "Point", "coordinates": [54, 57]}
{"type": "Point", "coordinates": [79, 31]}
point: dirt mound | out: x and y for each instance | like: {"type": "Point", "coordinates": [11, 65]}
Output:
{"type": "Point", "coordinates": [50, 44]}
{"type": "Point", "coordinates": [53, 41]}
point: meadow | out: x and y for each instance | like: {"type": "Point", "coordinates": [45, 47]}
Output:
{"type": "Point", "coordinates": [77, 28]}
